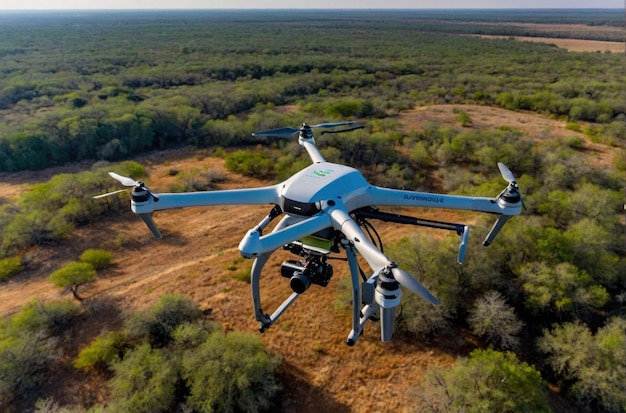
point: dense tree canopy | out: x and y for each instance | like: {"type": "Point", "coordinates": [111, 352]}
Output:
{"type": "Point", "coordinates": [112, 85]}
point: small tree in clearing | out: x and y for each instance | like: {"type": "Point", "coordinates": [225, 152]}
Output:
{"type": "Point", "coordinates": [72, 276]}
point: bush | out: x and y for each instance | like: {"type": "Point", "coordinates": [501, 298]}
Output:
{"type": "Point", "coordinates": [158, 324]}
{"type": "Point", "coordinates": [104, 351]}
{"type": "Point", "coordinates": [10, 267]}
{"type": "Point", "coordinates": [463, 118]}
{"type": "Point", "coordinates": [251, 163]}
{"type": "Point", "coordinates": [52, 317]}
{"type": "Point", "coordinates": [98, 259]}
{"type": "Point", "coordinates": [28, 345]}
{"type": "Point", "coordinates": [145, 381]}
{"type": "Point", "coordinates": [230, 372]}
{"type": "Point", "coordinates": [488, 381]}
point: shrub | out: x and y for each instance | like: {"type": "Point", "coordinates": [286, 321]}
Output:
{"type": "Point", "coordinates": [10, 267]}
{"type": "Point", "coordinates": [157, 324]}
{"type": "Point", "coordinates": [145, 381]}
{"type": "Point", "coordinates": [98, 259]}
{"type": "Point", "coordinates": [230, 372]}
{"type": "Point", "coordinates": [251, 163]}
{"type": "Point", "coordinates": [463, 118]}
{"type": "Point", "coordinates": [488, 381]}
{"type": "Point", "coordinates": [104, 351]}
{"type": "Point", "coordinates": [28, 345]}
{"type": "Point", "coordinates": [52, 317]}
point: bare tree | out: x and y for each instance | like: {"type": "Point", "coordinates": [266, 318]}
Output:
{"type": "Point", "coordinates": [493, 319]}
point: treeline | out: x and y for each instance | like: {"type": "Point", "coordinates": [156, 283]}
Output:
{"type": "Point", "coordinates": [114, 87]}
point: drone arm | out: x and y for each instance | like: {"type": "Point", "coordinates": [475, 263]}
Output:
{"type": "Point", "coordinates": [344, 223]}
{"type": "Point", "coordinates": [396, 197]}
{"type": "Point", "coordinates": [252, 196]}
{"type": "Point", "coordinates": [309, 145]}
{"type": "Point", "coordinates": [254, 244]}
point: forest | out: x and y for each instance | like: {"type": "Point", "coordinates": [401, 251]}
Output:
{"type": "Point", "coordinates": [545, 305]}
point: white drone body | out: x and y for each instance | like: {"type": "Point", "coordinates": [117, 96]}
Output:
{"type": "Point", "coordinates": [321, 206]}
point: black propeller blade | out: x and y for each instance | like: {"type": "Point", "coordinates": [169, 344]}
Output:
{"type": "Point", "coordinates": [288, 133]}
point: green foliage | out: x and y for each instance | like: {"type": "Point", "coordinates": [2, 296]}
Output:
{"type": "Point", "coordinates": [10, 267]}
{"type": "Point", "coordinates": [122, 101]}
{"type": "Point", "coordinates": [488, 381]}
{"type": "Point", "coordinates": [28, 345]}
{"type": "Point", "coordinates": [429, 261]}
{"type": "Point", "coordinates": [145, 381]}
{"type": "Point", "coordinates": [52, 317]}
{"type": "Point", "coordinates": [196, 365]}
{"type": "Point", "coordinates": [256, 164]}
{"type": "Point", "coordinates": [72, 276]}
{"type": "Point", "coordinates": [245, 381]}
{"type": "Point", "coordinates": [562, 288]}
{"type": "Point", "coordinates": [463, 118]}
{"type": "Point", "coordinates": [349, 108]}
{"type": "Point", "coordinates": [596, 363]}
{"type": "Point", "coordinates": [49, 210]}
{"type": "Point", "coordinates": [97, 258]}
{"type": "Point", "coordinates": [158, 324]}
{"type": "Point", "coordinates": [102, 352]}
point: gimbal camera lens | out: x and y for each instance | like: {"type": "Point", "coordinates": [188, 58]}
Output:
{"type": "Point", "coordinates": [300, 282]}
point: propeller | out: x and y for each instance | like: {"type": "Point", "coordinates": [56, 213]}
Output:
{"type": "Point", "coordinates": [110, 193]}
{"type": "Point", "coordinates": [407, 281]}
{"type": "Point", "coordinates": [139, 189]}
{"type": "Point", "coordinates": [124, 180]}
{"type": "Point", "coordinates": [513, 189]}
{"type": "Point", "coordinates": [293, 132]}
{"type": "Point", "coordinates": [376, 258]}
{"type": "Point", "coordinates": [506, 173]}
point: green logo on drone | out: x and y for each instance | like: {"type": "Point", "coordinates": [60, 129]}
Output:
{"type": "Point", "coordinates": [322, 172]}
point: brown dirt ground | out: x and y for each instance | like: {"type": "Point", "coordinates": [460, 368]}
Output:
{"type": "Point", "coordinates": [198, 257]}
{"type": "Point", "coordinates": [573, 45]}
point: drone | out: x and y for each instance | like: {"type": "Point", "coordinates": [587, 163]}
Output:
{"type": "Point", "coordinates": [324, 208]}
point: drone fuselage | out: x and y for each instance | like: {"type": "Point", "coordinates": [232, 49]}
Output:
{"type": "Point", "coordinates": [307, 192]}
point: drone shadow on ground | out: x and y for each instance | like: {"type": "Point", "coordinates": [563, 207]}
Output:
{"type": "Point", "coordinates": [303, 397]}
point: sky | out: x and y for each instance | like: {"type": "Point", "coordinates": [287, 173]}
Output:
{"type": "Point", "coordinates": [298, 4]}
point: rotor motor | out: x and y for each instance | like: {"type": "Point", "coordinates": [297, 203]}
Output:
{"type": "Point", "coordinates": [387, 295]}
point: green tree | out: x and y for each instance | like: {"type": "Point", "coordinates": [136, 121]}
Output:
{"type": "Point", "coordinates": [596, 363]}
{"type": "Point", "coordinates": [562, 289]}
{"type": "Point", "coordinates": [72, 276]}
{"type": "Point", "coordinates": [145, 381]}
{"type": "Point", "coordinates": [230, 372]}
{"type": "Point", "coordinates": [487, 381]}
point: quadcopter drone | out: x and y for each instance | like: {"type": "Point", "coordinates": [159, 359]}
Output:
{"type": "Point", "coordinates": [323, 208]}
